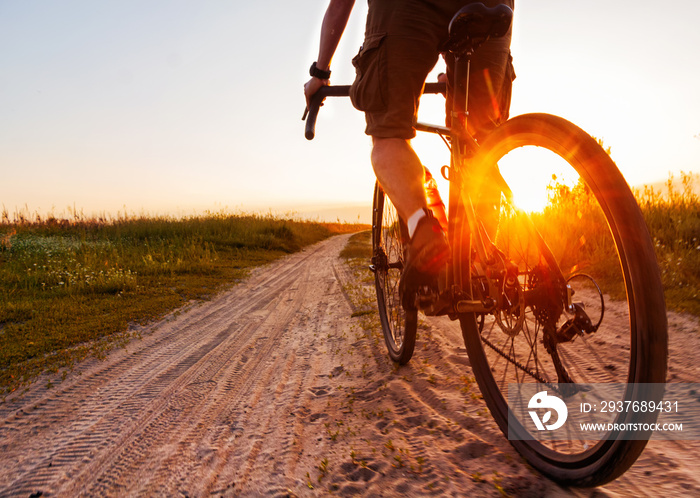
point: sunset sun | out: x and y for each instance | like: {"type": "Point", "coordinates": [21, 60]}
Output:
{"type": "Point", "coordinates": [531, 173]}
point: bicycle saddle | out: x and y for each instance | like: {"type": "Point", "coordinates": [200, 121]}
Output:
{"type": "Point", "coordinates": [475, 23]}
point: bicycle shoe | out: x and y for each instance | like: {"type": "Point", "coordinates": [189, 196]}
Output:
{"type": "Point", "coordinates": [427, 253]}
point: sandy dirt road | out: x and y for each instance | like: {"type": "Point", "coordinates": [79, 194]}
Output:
{"type": "Point", "coordinates": [276, 388]}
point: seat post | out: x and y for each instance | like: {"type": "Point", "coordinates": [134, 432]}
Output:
{"type": "Point", "coordinates": [460, 102]}
{"type": "Point", "coordinates": [460, 109]}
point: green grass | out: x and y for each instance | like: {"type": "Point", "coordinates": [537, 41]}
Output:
{"type": "Point", "coordinates": [73, 288]}
{"type": "Point", "coordinates": [673, 219]}
{"type": "Point", "coordinates": [359, 246]}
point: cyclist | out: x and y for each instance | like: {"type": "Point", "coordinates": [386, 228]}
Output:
{"type": "Point", "coordinates": [403, 40]}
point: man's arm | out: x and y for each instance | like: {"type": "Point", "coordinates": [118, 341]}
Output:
{"type": "Point", "coordinates": [334, 23]}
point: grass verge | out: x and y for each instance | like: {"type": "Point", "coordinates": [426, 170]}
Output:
{"type": "Point", "coordinates": [673, 218]}
{"type": "Point", "coordinates": [74, 288]}
{"type": "Point", "coordinates": [359, 246]}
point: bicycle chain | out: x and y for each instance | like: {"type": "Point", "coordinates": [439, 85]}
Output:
{"type": "Point", "coordinates": [515, 362]}
{"type": "Point", "coordinates": [542, 313]}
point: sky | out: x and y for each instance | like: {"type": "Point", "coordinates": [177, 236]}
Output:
{"type": "Point", "coordinates": [179, 107]}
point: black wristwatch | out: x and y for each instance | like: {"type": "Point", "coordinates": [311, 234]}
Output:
{"type": "Point", "coordinates": [319, 73]}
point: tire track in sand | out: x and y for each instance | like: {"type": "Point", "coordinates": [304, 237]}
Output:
{"type": "Point", "coordinates": [171, 415]}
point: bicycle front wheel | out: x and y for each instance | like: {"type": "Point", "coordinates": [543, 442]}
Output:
{"type": "Point", "coordinates": [388, 236]}
{"type": "Point", "coordinates": [567, 223]}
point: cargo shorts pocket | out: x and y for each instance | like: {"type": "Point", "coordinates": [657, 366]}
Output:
{"type": "Point", "coordinates": [369, 90]}
{"type": "Point", "coordinates": [507, 89]}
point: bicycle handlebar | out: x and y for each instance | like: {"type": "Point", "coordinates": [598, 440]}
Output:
{"type": "Point", "coordinates": [311, 112]}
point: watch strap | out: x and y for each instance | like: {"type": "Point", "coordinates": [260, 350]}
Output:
{"type": "Point", "coordinates": [319, 73]}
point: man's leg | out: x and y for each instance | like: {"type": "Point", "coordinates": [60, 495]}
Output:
{"type": "Point", "coordinates": [400, 173]}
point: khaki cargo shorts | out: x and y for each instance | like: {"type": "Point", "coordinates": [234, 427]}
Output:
{"type": "Point", "coordinates": [402, 45]}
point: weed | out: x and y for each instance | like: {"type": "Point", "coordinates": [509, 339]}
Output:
{"type": "Point", "coordinates": [323, 469]}
{"type": "Point", "coordinates": [496, 481]}
{"type": "Point", "coordinates": [362, 313]}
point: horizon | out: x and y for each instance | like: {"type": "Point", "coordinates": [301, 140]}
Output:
{"type": "Point", "coordinates": [351, 213]}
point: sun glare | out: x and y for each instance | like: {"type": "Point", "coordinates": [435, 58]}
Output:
{"type": "Point", "coordinates": [531, 172]}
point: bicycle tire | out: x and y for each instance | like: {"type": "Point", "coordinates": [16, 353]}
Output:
{"type": "Point", "coordinates": [388, 234]}
{"type": "Point", "coordinates": [494, 349]}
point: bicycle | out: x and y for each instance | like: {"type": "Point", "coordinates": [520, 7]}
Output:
{"type": "Point", "coordinates": [530, 288]}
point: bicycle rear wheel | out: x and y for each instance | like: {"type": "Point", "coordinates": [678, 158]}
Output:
{"type": "Point", "coordinates": [579, 230]}
{"type": "Point", "coordinates": [388, 235]}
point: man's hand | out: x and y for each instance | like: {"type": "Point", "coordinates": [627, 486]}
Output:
{"type": "Point", "coordinates": [311, 87]}
{"type": "Point", "coordinates": [334, 22]}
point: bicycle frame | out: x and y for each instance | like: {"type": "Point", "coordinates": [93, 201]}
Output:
{"type": "Point", "coordinates": [463, 146]}
{"type": "Point", "coordinates": [456, 294]}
